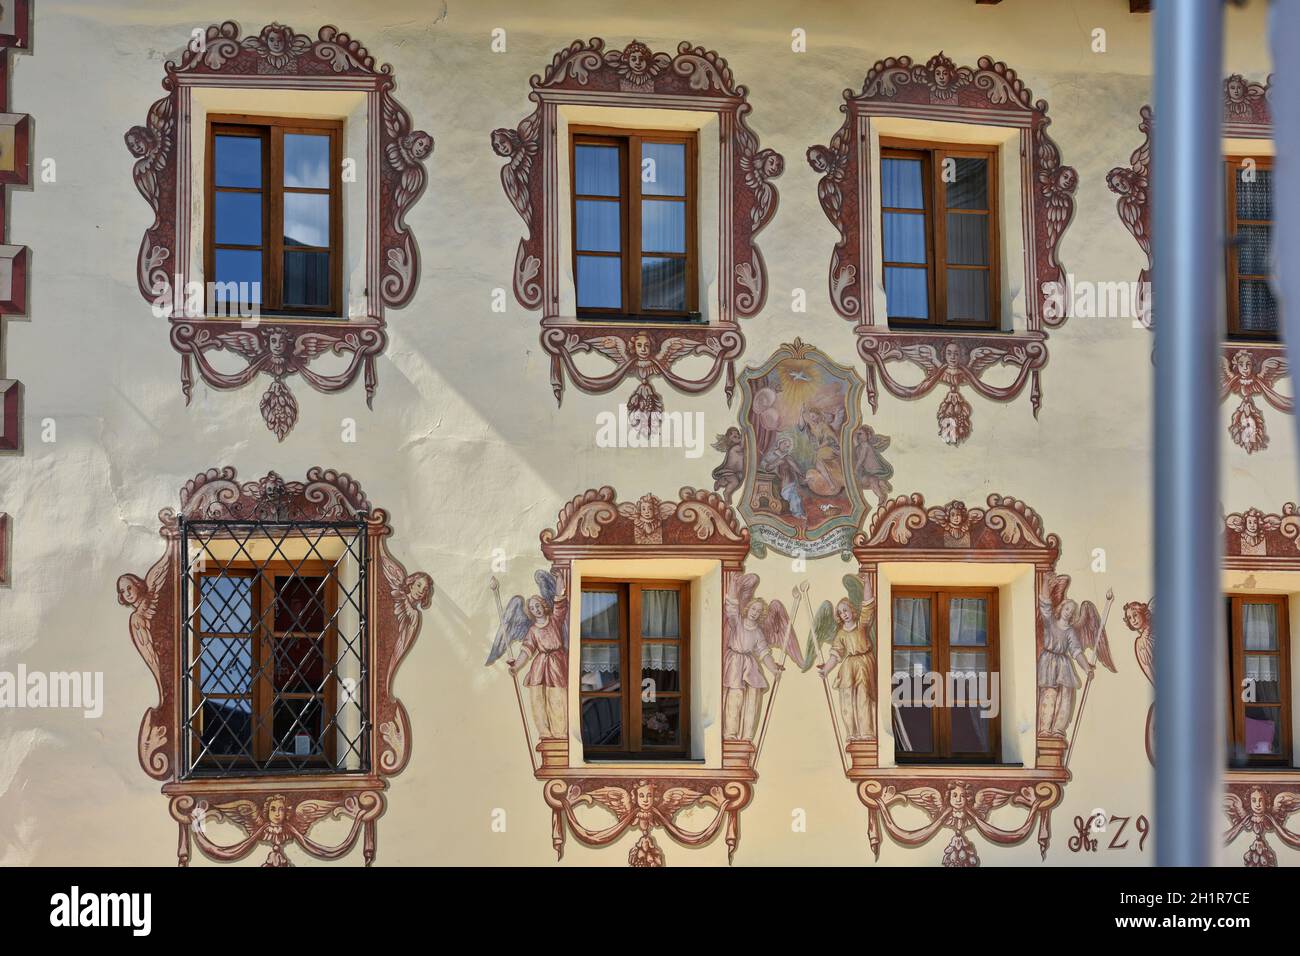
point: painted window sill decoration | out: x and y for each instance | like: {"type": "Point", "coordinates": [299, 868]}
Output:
{"type": "Point", "coordinates": [587, 74]}
{"type": "Point", "coordinates": [960, 799]}
{"type": "Point", "coordinates": [274, 810]}
{"type": "Point", "coordinates": [1251, 371]}
{"type": "Point", "coordinates": [646, 797]}
{"type": "Point", "coordinates": [277, 58]}
{"type": "Point", "coordinates": [990, 94]}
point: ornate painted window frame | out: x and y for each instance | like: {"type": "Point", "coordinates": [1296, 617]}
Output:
{"type": "Point", "coordinates": [646, 796]}
{"type": "Point", "coordinates": [1249, 370]}
{"type": "Point", "coordinates": [988, 94]}
{"type": "Point", "coordinates": [1259, 802]}
{"type": "Point", "coordinates": [959, 798]}
{"type": "Point", "coordinates": [587, 74]}
{"type": "Point", "coordinates": [395, 599]}
{"type": "Point", "coordinates": [277, 58]}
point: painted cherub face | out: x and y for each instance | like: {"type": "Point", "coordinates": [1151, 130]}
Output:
{"type": "Point", "coordinates": [1133, 618]}
{"type": "Point", "coordinates": [847, 615]}
{"type": "Point", "coordinates": [1251, 522]}
{"type": "Point", "coordinates": [419, 144]}
{"type": "Point", "coordinates": [275, 811]}
{"type": "Point", "coordinates": [277, 342]}
{"type": "Point", "coordinates": [537, 609]}
{"type": "Point", "coordinates": [645, 796]}
{"type": "Point", "coordinates": [1067, 178]}
{"type": "Point", "coordinates": [641, 345]}
{"type": "Point", "coordinates": [952, 354]}
{"type": "Point", "coordinates": [1236, 88]}
{"type": "Point", "coordinates": [128, 591]}
{"type": "Point", "coordinates": [1242, 364]}
{"type": "Point", "coordinates": [647, 507]}
{"type": "Point", "coordinates": [754, 612]}
{"type": "Point", "coordinates": [957, 797]}
{"type": "Point", "coordinates": [420, 588]}
{"type": "Point", "coordinates": [1065, 612]}
{"type": "Point", "coordinates": [1257, 802]}
{"type": "Point", "coordinates": [637, 59]}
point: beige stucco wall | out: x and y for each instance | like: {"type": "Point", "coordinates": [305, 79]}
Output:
{"type": "Point", "coordinates": [466, 446]}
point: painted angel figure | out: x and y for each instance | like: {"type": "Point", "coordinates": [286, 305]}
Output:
{"type": "Point", "coordinates": [870, 468]}
{"type": "Point", "coordinates": [1137, 617]}
{"type": "Point", "coordinates": [754, 627]}
{"type": "Point", "coordinates": [645, 406]}
{"type": "Point", "coordinates": [1069, 628]}
{"type": "Point", "coordinates": [730, 475]}
{"type": "Point", "coordinates": [850, 629]}
{"type": "Point", "coordinates": [540, 626]}
{"type": "Point", "coordinates": [1260, 819]}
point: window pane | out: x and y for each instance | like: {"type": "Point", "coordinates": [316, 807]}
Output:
{"type": "Point", "coordinates": [1259, 626]}
{"type": "Point", "coordinates": [1255, 199]}
{"type": "Point", "coordinates": [906, 293]}
{"type": "Point", "coordinates": [227, 727]}
{"type": "Point", "coordinates": [307, 279]}
{"type": "Point", "coordinates": [968, 621]}
{"type": "Point", "coordinates": [1262, 677]}
{"type": "Point", "coordinates": [239, 219]}
{"type": "Point", "coordinates": [663, 284]}
{"type": "Point", "coordinates": [299, 665]}
{"type": "Point", "coordinates": [911, 621]}
{"type": "Point", "coordinates": [296, 728]}
{"type": "Point", "coordinates": [970, 730]}
{"type": "Point", "coordinates": [225, 665]}
{"type": "Point", "coordinates": [306, 161]}
{"type": "Point", "coordinates": [601, 667]}
{"type": "Point", "coordinates": [595, 170]}
{"type": "Point", "coordinates": [1263, 730]}
{"type": "Point", "coordinates": [598, 226]}
{"type": "Point", "coordinates": [912, 733]}
{"type": "Point", "coordinates": [599, 614]}
{"type": "Point", "coordinates": [904, 237]}
{"type": "Point", "coordinates": [1256, 308]}
{"type": "Point", "coordinates": [910, 664]}
{"type": "Point", "coordinates": [969, 188]}
{"type": "Point", "coordinates": [237, 161]}
{"type": "Point", "coordinates": [663, 226]}
{"type": "Point", "coordinates": [1252, 250]}
{"type": "Point", "coordinates": [663, 169]}
{"type": "Point", "coordinates": [660, 616]}
{"type": "Point", "coordinates": [661, 722]}
{"type": "Point", "coordinates": [661, 665]}
{"type": "Point", "coordinates": [602, 721]}
{"type": "Point", "coordinates": [968, 239]}
{"type": "Point", "coordinates": [300, 604]}
{"type": "Point", "coordinates": [238, 266]}
{"type": "Point", "coordinates": [225, 604]}
{"type": "Point", "coordinates": [900, 184]}
{"type": "Point", "coordinates": [968, 291]}
{"type": "Point", "coordinates": [600, 282]}
{"type": "Point", "coordinates": [306, 219]}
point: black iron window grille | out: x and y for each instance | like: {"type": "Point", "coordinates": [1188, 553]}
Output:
{"type": "Point", "coordinates": [274, 651]}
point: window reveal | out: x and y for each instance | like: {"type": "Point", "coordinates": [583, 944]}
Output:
{"type": "Point", "coordinates": [1252, 310]}
{"type": "Point", "coordinates": [275, 650]}
{"type": "Point", "coordinates": [274, 222]}
{"type": "Point", "coordinates": [634, 692]}
{"type": "Point", "coordinates": [634, 232]}
{"type": "Point", "coordinates": [945, 660]}
{"type": "Point", "coordinates": [939, 233]}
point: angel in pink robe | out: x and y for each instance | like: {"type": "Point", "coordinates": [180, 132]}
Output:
{"type": "Point", "coordinates": [754, 627]}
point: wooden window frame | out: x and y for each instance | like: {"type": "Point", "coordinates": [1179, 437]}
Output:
{"type": "Point", "coordinates": [272, 130]}
{"type": "Point", "coordinates": [1233, 281]}
{"type": "Point", "coordinates": [629, 643]}
{"type": "Point", "coordinates": [263, 695]}
{"type": "Point", "coordinates": [1236, 671]}
{"type": "Point", "coordinates": [931, 154]}
{"type": "Point", "coordinates": [940, 653]}
{"type": "Point", "coordinates": [629, 142]}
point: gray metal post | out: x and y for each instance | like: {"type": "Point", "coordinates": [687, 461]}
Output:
{"type": "Point", "coordinates": [1187, 308]}
{"type": "Point", "coordinates": [1284, 33]}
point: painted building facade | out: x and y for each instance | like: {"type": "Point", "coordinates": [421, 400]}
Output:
{"type": "Point", "coordinates": [699, 374]}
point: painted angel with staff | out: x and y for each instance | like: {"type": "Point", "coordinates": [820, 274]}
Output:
{"type": "Point", "coordinates": [754, 629]}
{"type": "Point", "coordinates": [540, 625]}
{"type": "Point", "coordinates": [849, 627]}
{"type": "Point", "coordinates": [1070, 629]}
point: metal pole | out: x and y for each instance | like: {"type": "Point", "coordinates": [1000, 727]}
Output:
{"type": "Point", "coordinates": [1189, 262]}
{"type": "Point", "coordinates": [1284, 32]}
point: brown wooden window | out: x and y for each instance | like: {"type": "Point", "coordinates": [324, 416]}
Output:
{"type": "Point", "coordinates": [635, 661]}
{"type": "Point", "coordinates": [1259, 685]}
{"type": "Point", "coordinates": [939, 229]}
{"type": "Point", "coordinates": [267, 667]}
{"type": "Point", "coordinates": [634, 224]}
{"type": "Point", "coordinates": [274, 215]}
{"type": "Point", "coordinates": [1252, 310]}
{"type": "Point", "coordinates": [945, 640]}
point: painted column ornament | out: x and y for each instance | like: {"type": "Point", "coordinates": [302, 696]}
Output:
{"type": "Point", "coordinates": [276, 810]}
{"type": "Point", "coordinates": [991, 94]}
{"type": "Point", "coordinates": [587, 74]}
{"type": "Point", "coordinates": [645, 799]}
{"type": "Point", "coordinates": [1250, 370]}
{"type": "Point", "coordinates": [277, 58]}
{"type": "Point", "coordinates": [1069, 634]}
